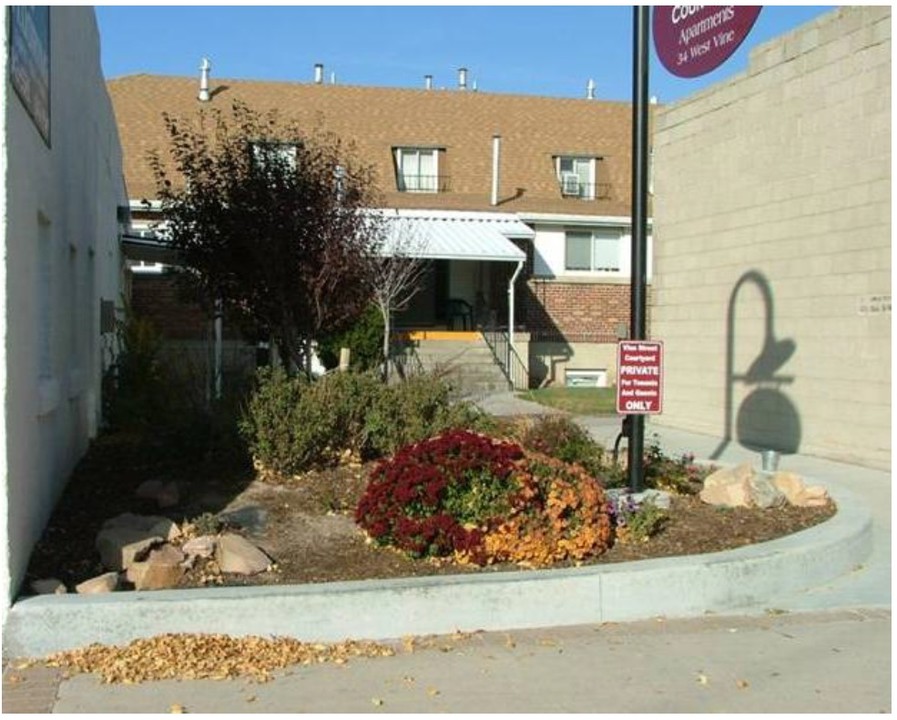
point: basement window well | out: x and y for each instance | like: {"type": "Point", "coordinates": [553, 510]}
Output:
{"type": "Point", "coordinates": [585, 378]}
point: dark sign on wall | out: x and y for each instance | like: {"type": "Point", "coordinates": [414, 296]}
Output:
{"type": "Point", "coordinates": [29, 61]}
{"type": "Point", "coordinates": [692, 40]}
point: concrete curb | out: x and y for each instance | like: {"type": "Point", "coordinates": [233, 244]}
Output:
{"type": "Point", "coordinates": [672, 587]}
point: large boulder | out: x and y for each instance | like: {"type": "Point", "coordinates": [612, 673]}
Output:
{"type": "Point", "coordinates": [235, 554]}
{"type": "Point", "coordinates": [798, 492]}
{"type": "Point", "coordinates": [729, 487]}
{"type": "Point", "coordinates": [741, 487]}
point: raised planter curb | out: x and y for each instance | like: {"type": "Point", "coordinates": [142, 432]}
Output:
{"type": "Point", "coordinates": [690, 586]}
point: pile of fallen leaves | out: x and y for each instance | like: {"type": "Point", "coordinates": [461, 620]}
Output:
{"type": "Point", "coordinates": [187, 656]}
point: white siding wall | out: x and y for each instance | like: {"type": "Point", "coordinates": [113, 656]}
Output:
{"type": "Point", "coordinates": [60, 236]}
{"type": "Point", "coordinates": [549, 251]}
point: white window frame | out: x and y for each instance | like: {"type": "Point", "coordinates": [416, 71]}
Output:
{"type": "Point", "coordinates": [587, 193]}
{"type": "Point", "coordinates": [607, 233]}
{"type": "Point", "coordinates": [430, 187]}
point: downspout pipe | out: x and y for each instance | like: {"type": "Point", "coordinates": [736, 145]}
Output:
{"type": "Point", "coordinates": [511, 307]}
{"type": "Point", "coordinates": [496, 152]}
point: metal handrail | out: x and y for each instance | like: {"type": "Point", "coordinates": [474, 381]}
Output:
{"type": "Point", "coordinates": [512, 367]}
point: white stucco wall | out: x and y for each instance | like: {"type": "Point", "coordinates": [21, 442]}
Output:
{"type": "Point", "coordinates": [60, 235]}
{"type": "Point", "coordinates": [773, 198]}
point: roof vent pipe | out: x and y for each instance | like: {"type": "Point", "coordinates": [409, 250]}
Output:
{"type": "Point", "coordinates": [496, 152]}
{"type": "Point", "coordinates": [333, 78]}
{"type": "Point", "coordinates": [462, 78]}
{"type": "Point", "coordinates": [319, 73]}
{"type": "Point", "coordinates": [590, 89]}
{"type": "Point", "coordinates": [204, 69]}
{"type": "Point", "coordinates": [428, 82]}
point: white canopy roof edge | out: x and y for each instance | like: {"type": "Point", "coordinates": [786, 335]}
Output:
{"type": "Point", "coordinates": [455, 235]}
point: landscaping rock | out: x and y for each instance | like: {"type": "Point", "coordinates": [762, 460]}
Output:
{"type": "Point", "coordinates": [797, 492]}
{"type": "Point", "coordinates": [48, 586]}
{"type": "Point", "coordinates": [162, 569]}
{"type": "Point", "coordinates": [150, 524]}
{"type": "Point", "coordinates": [764, 494]}
{"type": "Point", "coordinates": [119, 547]}
{"type": "Point", "coordinates": [235, 554]}
{"type": "Point", "coordinates": [164, 494]}
{"type": "Point", "coordinates": [124, 538]}
{"type": "Point", "coordinates": [169, 495]}
{"type": "Point", "coordinates": [104, 583]}
{"type": "Point", "coordinates": [149, 489]}
{"type": "Point", "coordinates": [741, 487]}
{"type": "Point", "coordinates": [202, 546]}
{"type": "Point", "coordinates": [728, 486]}
{"type": "Point", "coordinates": [250, 518]}
{"type": "Point", "coordinates": [660, 498]}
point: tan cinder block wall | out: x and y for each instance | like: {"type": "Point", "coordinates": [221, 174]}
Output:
{"type": "Point", "coordinates": [773, 191]}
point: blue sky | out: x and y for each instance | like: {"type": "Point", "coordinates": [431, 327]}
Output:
{"type": "Point", "coordinates": [533, 50]}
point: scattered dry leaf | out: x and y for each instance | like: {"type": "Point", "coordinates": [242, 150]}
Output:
{"type": "Point", "coordinates": [742, 684]}
{"type": "Point", "coordinates": [703, 679]}
{"type": "Point", "coordinates": [376, 701]}
{"type": "Point", "coordinates": [432, 692]}
{"type": "Point", "coordinates": [177, 709]}
{"type": "Point", "coordinates": [509, 642]}
{"type": "Point", "coordinates": [205, 656]}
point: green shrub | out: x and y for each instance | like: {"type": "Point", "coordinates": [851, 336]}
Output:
{"type": "Point", "coordinates": [283, 431]}
{"type": "Point", "coordinates": [560, 437]}
{"type": "Point", "coordinates": [136, 393]}
{"type": "Point", "coordinates": [364, 339]}
{"type": "Point", "coordinates": [415, 409]}
{"type": "Point", "coordinates": [292, 425]}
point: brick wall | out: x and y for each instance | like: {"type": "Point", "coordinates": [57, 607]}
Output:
{"type": "Point", "coordinates": [156, 298]}
{"type": "Point", "coordinates": [773, 233]}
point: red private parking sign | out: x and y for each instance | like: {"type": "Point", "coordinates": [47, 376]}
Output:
{"type": "Point", "coordinates": [639, 377]}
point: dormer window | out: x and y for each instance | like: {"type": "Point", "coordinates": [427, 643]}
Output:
{"type": "Point", "coordinates": [576, 176]}
{"type": "Point", "coordinates": [417, 169]}
{"type": "Point", "coordinates": [272, 154]}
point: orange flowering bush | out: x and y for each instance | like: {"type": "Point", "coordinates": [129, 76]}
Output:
{"type": "Point", "coordinates": [559, 513]}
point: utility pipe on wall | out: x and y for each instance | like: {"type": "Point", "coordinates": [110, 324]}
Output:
{"type": "Point", "coordinates": [496, 151]}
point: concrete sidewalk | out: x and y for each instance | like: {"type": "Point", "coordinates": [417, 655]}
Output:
{"type": "Point", "coordinates": [824, 662]}
{"type": "Point", "coordinates": [838, 573]}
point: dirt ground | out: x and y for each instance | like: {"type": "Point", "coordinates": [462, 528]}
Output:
{"type": "Point", "coordinates": [306, 524]}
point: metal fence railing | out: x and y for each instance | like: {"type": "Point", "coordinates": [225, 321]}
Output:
{"type": "Point", "coordinates": [514, 369]}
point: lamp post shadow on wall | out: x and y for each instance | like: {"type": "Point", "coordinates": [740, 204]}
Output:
{"type": "Point", "coordinates": [767, 419]}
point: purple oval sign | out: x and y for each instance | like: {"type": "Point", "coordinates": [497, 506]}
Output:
{"type": "Point", "coordinates": [692, 40]}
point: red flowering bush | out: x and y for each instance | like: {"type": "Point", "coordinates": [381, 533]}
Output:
{"type": "Point", "coordinates": [434, 498]}
{"type": "Point", "coordinates": [483, 500]}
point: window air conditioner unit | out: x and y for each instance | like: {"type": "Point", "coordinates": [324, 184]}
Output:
{"type": "Point", "coordinates": [569, 184]}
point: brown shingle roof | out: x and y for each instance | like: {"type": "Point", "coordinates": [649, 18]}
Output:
{"type": "Point", "coordinates": [533, 129]}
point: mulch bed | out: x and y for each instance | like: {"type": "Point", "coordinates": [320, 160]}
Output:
{"type": "Point", "coordinates": [307, 526]}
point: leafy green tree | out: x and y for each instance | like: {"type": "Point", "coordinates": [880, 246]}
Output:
{"type": "Point", "coordinates": [269, 219]}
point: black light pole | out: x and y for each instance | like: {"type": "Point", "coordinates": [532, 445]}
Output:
{"type": "Point", "coordinates": [639, 223]}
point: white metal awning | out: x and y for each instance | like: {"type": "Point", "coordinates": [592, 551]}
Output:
{"type": "Point", "coordinates": [452, 235]}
